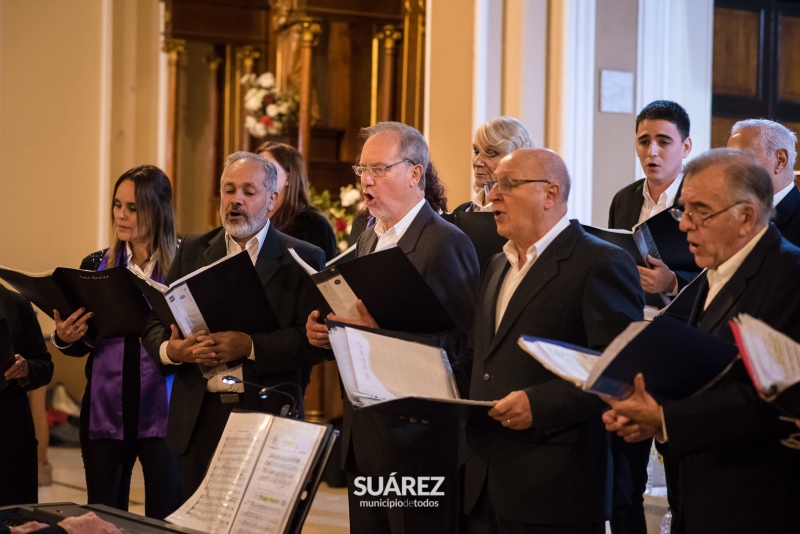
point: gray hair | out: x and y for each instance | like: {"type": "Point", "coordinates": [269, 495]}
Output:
{"type": "Point", "coordinates": [503, 135]}
{"type": "Point", "coordinates": [270, 176]}
{"type": "Point", "coordinates": [744, 176]}
{"type": "Point", "coordinates": [413, 146]}
{"type": "Point", "coordinates": [772, 136]}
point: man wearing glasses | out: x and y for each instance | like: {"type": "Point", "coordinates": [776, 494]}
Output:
{"type": "Point", "coordinates": [735, 475]}
{"type": "Point", "coordinates": [541, 464]}
{"type": "Point", "coordinates": [392, 171]}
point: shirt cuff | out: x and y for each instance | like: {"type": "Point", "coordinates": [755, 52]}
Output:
{"type": "Point", "coordinates": [674, 291]}
{"type": "Point", "coordinates": [162, 354]}
{"type": "Point", "coordinates": [252, 356]}
{"type": "Point", "coordinates": [662, 437]}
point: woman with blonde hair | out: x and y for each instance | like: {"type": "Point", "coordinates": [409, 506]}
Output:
{"type": "Point", "coordinates": [493, 141]}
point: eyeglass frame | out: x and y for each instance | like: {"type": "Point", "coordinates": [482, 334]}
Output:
{"type": "Point", "coordinates": [374, 172]}
{"type": "Point", "coordinates": [678, 212]}
{"type": "Point", "coordinates": [489, 185]}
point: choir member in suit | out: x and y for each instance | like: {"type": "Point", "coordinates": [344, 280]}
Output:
{"type": "Point", "coordinates": [31, 369]}
{"type": "Point", "coordinates": [124, 409]}
{"type": "Point", "coordinates": [391, 168]}
{"type": "Point", "coordinates": [723, 447]}
{"type": "Point", "coordinates": [199, 407]}
{"type": "Point", "coordinates": [774, 146]}
{"type": "Point", "coordinates": [293, 213]}
{"type": "Point", "coordinates": [542, 464]}
{"type": "Point", "coordinates": [662, 143]}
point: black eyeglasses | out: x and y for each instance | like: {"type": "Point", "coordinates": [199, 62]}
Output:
{"type": "Point", "coordinates": [505, 185]}
{"type": "Point", "coordinates": [678, 213]}
{"type": "Point", "coordinates": [378, 171]}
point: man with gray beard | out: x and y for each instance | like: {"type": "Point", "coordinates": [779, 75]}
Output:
{"type": "Point", "coordinates": [199, 407]}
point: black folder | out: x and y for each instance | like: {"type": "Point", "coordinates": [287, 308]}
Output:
{"type": "Point", "coordinates": [118, 306]}
{"type": "Point", "coordinates": [395, 294]}
{"type": "Point", "coordinates": [638, 243]}
{"type": "Point", "coordinates": [229, 295]}
{"type": "Point", "coordinates": [676, 360]}
{"type": "Point", "coordinates": [480, 228]}
{"type": "Point", "coordinates": [671, 242]}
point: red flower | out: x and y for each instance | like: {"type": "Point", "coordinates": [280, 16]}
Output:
{"type": "Point", "coordinates": [266, 120]}
{"type": "Point", "coordinates": [269, 99]}
{"type": "Point", "coordinates": [341, 225]}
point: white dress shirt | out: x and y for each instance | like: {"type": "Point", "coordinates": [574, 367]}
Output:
{"type": "Point", "coordinates": [516, 273]}
{"type": "Point", "coordinates": [650, 207]}
{"type": "Point", "coordinates": [390, 237]}
{"type": "Point", "coordinates": [780, 195]}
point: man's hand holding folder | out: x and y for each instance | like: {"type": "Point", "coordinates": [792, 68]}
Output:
{"type": "Point", "coordinates": [635, 418]}
{"type": "Point", "coordinates": [317, 331]}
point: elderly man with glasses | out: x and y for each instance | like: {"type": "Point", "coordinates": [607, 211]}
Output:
{"type": "Point", "coordinates": [540, 462]}
{"type": "Point", "coordinates": [725, 446]}
{"type": "Point", "coordinates": [392, 171]}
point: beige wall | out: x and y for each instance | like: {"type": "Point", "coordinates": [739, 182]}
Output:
{"type": "Point", "coordinates": [78, 105]}
{"type": "Point", "coordinates": [449, 94]}
{"type": "Point", "coordinates": [613, 132]}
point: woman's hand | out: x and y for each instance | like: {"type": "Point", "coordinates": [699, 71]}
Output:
{"type": "Point", "coordinates": [18, 369]}
{"type": "Point", "coordinates": [74, 327]}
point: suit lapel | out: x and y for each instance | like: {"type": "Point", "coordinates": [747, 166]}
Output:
{"type": "Point", "coordinates": [786, 207]}
{"type": "Point", "coordinates": [540, 274]}
{"type": "Point", "coordinates": [412, 234]}
{"type": "Point", "coordinates": [267, 263]}
{"type": "Point", "coordinates": [633, 207]}
{"type": "Point", "coordinates": [216, 248]}
{"type": "Point", "coordinates": [719, 309]}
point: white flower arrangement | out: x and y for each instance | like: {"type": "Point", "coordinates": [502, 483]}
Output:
{"type": "Point", "coordinates": [269, 111]}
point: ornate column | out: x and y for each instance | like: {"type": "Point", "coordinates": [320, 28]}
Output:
{"type": "Point", "coordinates": [412, 97]}
{"type": "Point", "coordinates": [174, 48]}
{"type": "Point", "coordinates": [388, 35]}
{"type": "Point", "coordinates": [309, 30]}
{"type": "Point", "coordinates": [247, 56]}
{"type": "Point", "coordinates": [212, 152]}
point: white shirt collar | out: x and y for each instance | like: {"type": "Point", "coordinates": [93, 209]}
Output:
{"type": "Point", "coordinates": [147, 267]}
{"type": "Point", "coordinates": [538, 248]}
{"type": "Point", "coordinates": [253, 245]}
{"type": "Point", "coordinates": [717, 278]}
{"type": "Point", "coordinates": [780, 195]}
{"type": "Point", "coordinates": [667, 198]}
{"type": "Point", "coordinates": [393, 234]}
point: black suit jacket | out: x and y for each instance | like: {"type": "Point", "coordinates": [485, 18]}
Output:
{"type": "Point", "coordinates": [582, 291]}
{"type": "Point", "coordinates": [787, 216]}
{"type": "Point", "coordinates": [18, 472]}
{"type": "Point", "coordinates": [735, 476]}
{"type": "Point", "coordinates": [279, 356]}
{"type": "Point", "coordinates": [446, 259]}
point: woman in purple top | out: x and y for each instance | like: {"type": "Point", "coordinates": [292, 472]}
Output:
{"type": "Point", "coordinates": [125, 406]}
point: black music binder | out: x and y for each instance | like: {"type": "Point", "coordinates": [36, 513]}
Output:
{"type": "Point", "coordinates": [119, 308]}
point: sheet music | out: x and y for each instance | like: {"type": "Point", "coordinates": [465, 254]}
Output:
{"type": "Point", "coordinates": [214, 505]}
{"type": "Point", "coordinates": [773, 356]}
{"type": "Point", "coordinates": [571, 365]}
{"type": "Point", "coordinates": [335, 290]}
{"type": "Point", "coordinates": [278, 477]}
{"type": "Point", "coordinates": [185, 310]}
{"type": "Point", "coordinates": [388, 367]}
{"type": "Point", "coordinates": [338, 339]}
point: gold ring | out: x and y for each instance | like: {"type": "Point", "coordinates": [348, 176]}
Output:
{"type": "Point", "coordinates": [508, 422]}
